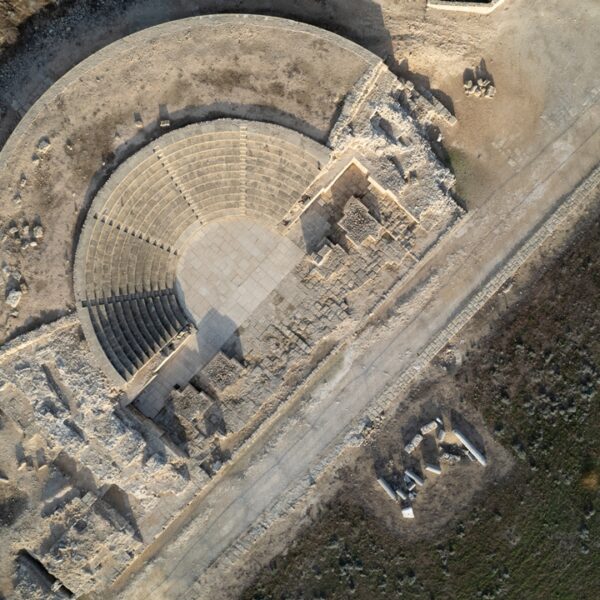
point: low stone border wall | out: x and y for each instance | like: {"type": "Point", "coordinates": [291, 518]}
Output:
{"type": "Point", "coordinates": [471, 7]}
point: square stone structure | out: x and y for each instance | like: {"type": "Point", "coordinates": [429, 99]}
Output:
{"type": "Point", "coordinates": [358, 223]}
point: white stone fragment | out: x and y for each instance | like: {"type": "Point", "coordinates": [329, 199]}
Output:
{"type": "Point", "coordinates": [433, 469]}
{"type": "Point", "coordinates": [13, 298]}
{"type": "Point", "coordinates": [44, 145]}
{"type": "Point", "coordinates": [386, 487]}
{"type": "Point", "coordinates": [401, 495]}
{"type": "Point", "coordinates": [449, 458]}
{"type": "Point", "coordinates": [413, 444]}
{"type": "Point", "coordinates": [415, 477]}
{"type": "Point", "coordinates": [478, 456]}
{"type": "Point", "coordinates": [429, 427]}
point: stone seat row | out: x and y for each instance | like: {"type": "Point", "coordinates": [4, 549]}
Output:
{"type": "Point", "coordinates": [205, 188]}
{"type": "Point", "coordinates": [201, 180]}
{"type": "Point", "coordinates": [202, 156]}
{"type": "Point", "coordinates": [132, 330]}
{"type": "Point", "coordinates": [272, 190]}
{"type": "Point", "coordinates": [312, 151]}
{"type": "Point", "coordinates": [270, 202]}
{"type": "Point", "coordinates": [150, 201]}
{"type": "Point", "coordinates": [118, 263]}
{"type": "Point", "coordinates": [142, 218]}
{"type": "Point", "coordinates": [275, 141]}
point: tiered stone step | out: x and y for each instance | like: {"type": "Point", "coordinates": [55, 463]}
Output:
{"type": "Point", "coordinates": [132, 329]}
{"type": "Point", "coordinates": [237, 168]}
{"type": "Point", "coordinates": [148, 201]}
{"type": "Point", "coordinates": [139, 222]}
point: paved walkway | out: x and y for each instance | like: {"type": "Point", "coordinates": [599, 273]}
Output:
{"type": "Point", "coordinates": [227, 270]}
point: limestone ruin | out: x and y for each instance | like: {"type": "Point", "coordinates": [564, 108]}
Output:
{"type": "Point", "coordinates": [228, 278]}
{"type": "Point", "coordinates": [217, 268]}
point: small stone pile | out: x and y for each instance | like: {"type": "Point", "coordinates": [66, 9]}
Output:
{"type": "Point", "coordinates": [480, 87]}
{"type": "Point", "coordinates": [15, 286]}
{"type": "Point", "coordinates": [29, 236]}
{"type": "Point", "coordinates": [448, 452]}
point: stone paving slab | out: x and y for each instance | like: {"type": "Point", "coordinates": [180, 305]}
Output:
{"type": "Point", "coordinates": [230, 267]}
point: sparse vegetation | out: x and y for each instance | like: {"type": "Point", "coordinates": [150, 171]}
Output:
{"type": "Point", "coordinates": [534, 535]}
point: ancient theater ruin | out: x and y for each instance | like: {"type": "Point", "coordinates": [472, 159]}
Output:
{"type": "Point", "coordinates": [220, 270]}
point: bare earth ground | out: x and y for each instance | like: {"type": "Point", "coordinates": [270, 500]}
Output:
{"type": "Point", "coordinates": [534, 141]}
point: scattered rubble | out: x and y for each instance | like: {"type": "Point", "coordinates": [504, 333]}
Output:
{"type": "Point", "coordinates": [412, 475]}
{"type": "Point", "coordinates": [470, 447]}
{"type": "Point", "coordinates": [429, 427]}
{"type": "Point", "coordinates": [413, 444]}
{"type": "Point", "coordinates": [29, 235]}
{"type": "Point", "coordinates": [449, 451]}
{"type": "Point", "coordinates": [408, 513]}
{"type": "Point", "coordinates": [450, 458]}
{"type": "Point", "coordinates": [387, 488]}
{"type": "Point", "coordinates": [38, 232]}
{"type": "Point", "coordinates": [44, 145]}
{"type": "Point", "coordinates": [478, 82]}
{"type": "Point", "coordinates": [433, 469]}
{"type": "Point", "coordinates": [481, 88]}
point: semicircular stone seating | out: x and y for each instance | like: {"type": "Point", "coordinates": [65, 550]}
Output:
{"type": "Point", "coordinates": [137, 226]}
